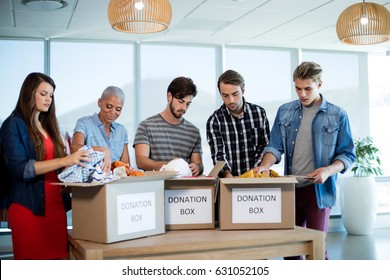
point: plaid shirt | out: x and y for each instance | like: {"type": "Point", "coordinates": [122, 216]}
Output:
{"type": "Point", "coordinates": [238, 141]}
{"type": "Point", "coordinates": [78, 174]}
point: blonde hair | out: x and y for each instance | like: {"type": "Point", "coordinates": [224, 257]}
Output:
{"type": "Point", "coordinates": [308, 70]}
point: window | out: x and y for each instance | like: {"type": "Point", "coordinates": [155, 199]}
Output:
{"type": "Point", "coordinates": [379, 85]}
{"type": "Point", "coordinates": [379, 88]}
{"type": "Point", "coordinates": [160, 64]}
{"type": "Point", "coordinates": [18, 59]}
{"type": "Point", "coordinates": [343, 84]}
{"type": "Point", "coordinates": [82, 71]}
{"type": "Point", "coordinates": [267, 74]}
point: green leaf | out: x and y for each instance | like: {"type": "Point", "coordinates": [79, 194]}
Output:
{"type": "Point", "coordinates": [367, 158]}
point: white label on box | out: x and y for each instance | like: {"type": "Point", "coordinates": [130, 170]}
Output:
{"type": "Point", "coordinates": [189, 206]}
{"type": "Point", "coordinates": [136, 212]}
{"type": "Point", "coordinates": [256, 205]}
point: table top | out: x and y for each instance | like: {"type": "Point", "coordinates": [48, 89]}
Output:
{"type": "Point", "coordinates": [184, 241]}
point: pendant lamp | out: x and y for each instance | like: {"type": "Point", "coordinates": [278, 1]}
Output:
{"type": "Point", "coordinates": [364, 23]}
{"type": "Point", "coordinates": [139, 16]}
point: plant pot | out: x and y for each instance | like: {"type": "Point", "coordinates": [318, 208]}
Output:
{"type": "Point", "coordinates": [358, 204]}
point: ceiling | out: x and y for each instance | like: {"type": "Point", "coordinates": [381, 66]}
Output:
{"type": "Point", "coordinates": [309, 24]}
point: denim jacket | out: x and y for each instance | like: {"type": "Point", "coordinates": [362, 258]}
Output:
{"type": "Point", "coordinates": [19, 150]}
{"type": "Point", "coordinates": [332, 140]}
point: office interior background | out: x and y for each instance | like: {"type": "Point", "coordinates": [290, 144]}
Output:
{"type": "Point", "coordinates": [263, 40]}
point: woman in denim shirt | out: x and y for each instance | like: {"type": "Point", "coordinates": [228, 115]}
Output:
{"type": "Point", "coordinates": [34, 151]}
{"type": "Point", "coordinates": [316, 140]}
{"type": "Point", "coordinates": [102, 132]}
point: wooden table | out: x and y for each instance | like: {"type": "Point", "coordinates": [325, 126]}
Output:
{"type": "Point", "coordinates": [207, 245]}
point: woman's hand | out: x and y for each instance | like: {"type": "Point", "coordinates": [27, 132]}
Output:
{"type": "Point", "coordinates": [106, 161]}
{"type": "Point", "coordinates": [79, 158]}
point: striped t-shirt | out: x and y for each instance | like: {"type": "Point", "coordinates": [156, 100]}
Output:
{"type": "Point", "coordinates": [168, 141]}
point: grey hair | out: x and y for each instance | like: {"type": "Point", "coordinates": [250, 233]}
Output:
{"type": "Point", "coordinates": [113, 91]}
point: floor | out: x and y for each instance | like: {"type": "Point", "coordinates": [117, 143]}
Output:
{"type": "Point", "coordinates": [341, 246]}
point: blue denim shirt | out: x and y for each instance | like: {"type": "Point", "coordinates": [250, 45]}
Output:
{"type": "Point", "coordinates": [94, 134]}
{"type": "Point", "coordinates": [332, 140]}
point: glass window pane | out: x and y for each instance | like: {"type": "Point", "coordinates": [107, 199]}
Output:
{"type": "Point", "coordinates": [267, 75]}
{"type": "Point", "coordinates": [82, 70]}
{"type": "Point", "coordinates": [18, 59]}
{"type": "Point", "coordinates": [379, 83]}
{"type": "Point", "coordinates": [340, 83]}
{"type": "Point", "coordinates": [160, 64]}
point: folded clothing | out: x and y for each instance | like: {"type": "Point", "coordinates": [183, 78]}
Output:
{"type": "Point", "coordinates": [252, 174]}
{"type": "Point", "coordinates": [99, 177]}
{"type": "Point", "coordinates": [129, 171]}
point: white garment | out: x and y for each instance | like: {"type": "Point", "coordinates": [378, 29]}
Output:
{"type": "Point", "coordinates": [179, 165]}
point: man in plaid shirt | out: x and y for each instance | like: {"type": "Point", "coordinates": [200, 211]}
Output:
{"type": "Point", "coordinates": [238, 131]}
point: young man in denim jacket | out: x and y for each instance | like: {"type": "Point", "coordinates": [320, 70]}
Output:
{"type": "Point", "coordinates": [316, 140]}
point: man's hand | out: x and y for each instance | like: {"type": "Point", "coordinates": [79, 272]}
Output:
{"type": "Point", "coordinates": [261, 169]}
{"type": "Point", "coordinates": [319, 175]}
{"type": "Point", "coordinates": [195, 169]}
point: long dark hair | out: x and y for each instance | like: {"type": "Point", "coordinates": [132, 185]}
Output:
{"type": "Point", "coordinates": [26, 107]}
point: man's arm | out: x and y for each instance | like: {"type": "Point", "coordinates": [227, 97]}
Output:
{"type": "Point", "coordinates": [227, 174]}
{"type": "Point", "coordinates": [217, 145]}
{"type": "Point", "coordinates": [196, 164]}
{"type": "Point", "coordinates": [268, 160]}
{"type": "Point", "coordinates": [142, 152]}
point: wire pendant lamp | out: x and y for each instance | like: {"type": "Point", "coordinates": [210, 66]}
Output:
{"type": "Point", "coordinates": [139, 16]}
{"type": "Point", "coordinates": [364, 24]}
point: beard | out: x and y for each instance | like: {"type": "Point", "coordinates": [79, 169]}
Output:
{"type": "Point", "coordinates": [177, 115]}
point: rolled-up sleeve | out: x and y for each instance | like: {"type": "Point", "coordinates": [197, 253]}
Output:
{"type": "Point", "coordinates": [275, 145]}
{"type": "Point", "coordinates": [29, 170]}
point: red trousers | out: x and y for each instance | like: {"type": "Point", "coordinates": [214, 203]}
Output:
{"type": "Point", "coordinates": [308, 214]}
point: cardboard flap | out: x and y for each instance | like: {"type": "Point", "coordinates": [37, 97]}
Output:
{"type": "Point", "coordinates": [217, 167]}
{"type": "Point", "coordinates": [214, 173]}
{"type": "Point", "coordinates": [272, 180]}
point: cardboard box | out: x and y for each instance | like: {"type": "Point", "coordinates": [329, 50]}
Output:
{"type": "Point", "coordinates": [257, 203]}
{"type": "Point", "coordinates": [190, 202]}
{"type": "Point", "coordinates": [129, 208]}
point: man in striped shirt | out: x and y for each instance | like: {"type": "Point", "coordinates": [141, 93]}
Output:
{"type": "Point", "coordinates": [238, 131]}
{"type": "Point", "coordinates": [167, 135]}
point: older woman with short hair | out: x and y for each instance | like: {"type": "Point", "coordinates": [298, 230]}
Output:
{"type": "Point", "coordinates": [102, 132]}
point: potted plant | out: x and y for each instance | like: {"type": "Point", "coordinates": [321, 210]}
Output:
{"type": "Point", "coordinates": [367, 161]}
{"type": "Point", "coordinates": [358, 193]}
